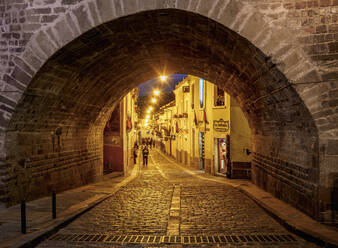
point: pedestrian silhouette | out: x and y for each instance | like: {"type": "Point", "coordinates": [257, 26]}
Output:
{"type": "Point", "coordinates": [145, 153]}
{"type": "Point", "coordinates": [135, 154]}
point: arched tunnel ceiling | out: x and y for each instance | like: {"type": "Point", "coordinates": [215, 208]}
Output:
{"type": "Point", "coordinates": [82, 81]}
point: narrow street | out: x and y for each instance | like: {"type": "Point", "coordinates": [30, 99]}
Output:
{"type": "Point", "coordinates": [167, 206]}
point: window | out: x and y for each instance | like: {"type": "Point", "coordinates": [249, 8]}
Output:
{"type": "Point", "coordinates": [219, 97]}
{"type": "Point", "coordinates": [201, 92]}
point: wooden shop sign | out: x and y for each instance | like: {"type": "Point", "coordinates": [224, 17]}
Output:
{"type": "Point", "coordinates": [221, 125]}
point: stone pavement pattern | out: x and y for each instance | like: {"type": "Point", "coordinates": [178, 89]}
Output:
{"type": "Point", "coordinates": [142, 207]}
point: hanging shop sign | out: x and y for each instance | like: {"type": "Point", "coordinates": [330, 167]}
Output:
{"type": "Point", "coordinates": [221, 125]}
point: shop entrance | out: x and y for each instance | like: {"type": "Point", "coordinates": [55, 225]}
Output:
{"type": "Point", "coordinates": [222, 155]}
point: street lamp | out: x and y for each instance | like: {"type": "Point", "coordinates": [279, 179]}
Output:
{"type": "Point", "coordinates": [156, 92]}
{"type": "Point", "coordinates": [153, 100]}
{"type": "Point", "coordinates": [163, 78]}
{"type": "Point", "coordinates": [148, 116]}
{"type": "Point", "coordinates": [150, 108]}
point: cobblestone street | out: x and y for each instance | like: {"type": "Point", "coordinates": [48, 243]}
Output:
{"type": "Point", "coordinates": [143, 214]}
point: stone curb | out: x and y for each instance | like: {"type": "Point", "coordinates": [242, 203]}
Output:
{"type": "Point", "coordinates": [308, 235]}
{"type": "Point", "coordinates": [49, 228]}
{"type": "Point", "coordinates": [300, 230]}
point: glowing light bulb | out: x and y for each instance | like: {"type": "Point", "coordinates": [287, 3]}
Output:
{"type": "Point", "coordinates": [163, 78]}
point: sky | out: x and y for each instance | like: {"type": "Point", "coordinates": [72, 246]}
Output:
{"type": "Point", "coordinates": [149, 86]}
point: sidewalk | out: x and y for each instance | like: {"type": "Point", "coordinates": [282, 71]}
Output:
{"type": "Point", "coordinates": [69, 205]}
{"type": "Point", "coordinates": [293, 219]}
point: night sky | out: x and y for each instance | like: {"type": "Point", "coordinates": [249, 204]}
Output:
{"type": "Point", "coordinates": [147, 88]}
{"type": "Point", "coordinates": [166, 88]}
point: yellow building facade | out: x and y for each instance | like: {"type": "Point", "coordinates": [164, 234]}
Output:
{"type": "Point", "coordinates": [208, 130]}
{"type": "Point", "coordinates": [130, 123]}
{"type": "Point", "coordinates": [120, 135]}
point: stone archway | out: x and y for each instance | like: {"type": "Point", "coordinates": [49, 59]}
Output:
{"type": "Point", "coordinates": [75, 77]}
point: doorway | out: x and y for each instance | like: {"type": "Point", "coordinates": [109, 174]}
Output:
{"type": "Point", "coordinates": [201, 149]}
{"type": "Point", "coordinates": [221, 155]}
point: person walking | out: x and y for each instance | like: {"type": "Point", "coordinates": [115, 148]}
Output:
{"type": "Point", "coordinates": [135, 152]}
{"type": "Point", "coordinates": [145, 153]}
{"type": "Point", "coordinates": [135, 155]}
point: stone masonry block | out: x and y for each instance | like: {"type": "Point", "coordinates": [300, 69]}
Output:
{"type": "Point", "coordinates": [309, 77]}
{"type": "Point", "coordinates": [52, 36]}
{"type": "Point", "coordinates": [205, 6]}
{"type": "Point", "coordinates": [31, 59]}
{"type": "Point", "coordinates": [7, 101]}
{"type": "Point", "coordinates": [182, 4]}
{"type": "Point", "coordinates": [43, 41]}
{"type": "Point", "coordinates": [106, 10]}
{"type": "Point", "coordinates": [3, 123]}
{"type": "Point", "coordinates": [49, 18]}
{"type": "Point", "coordinates": [75, 29]}
{"type": "Point", "coordinates": [334, 93]}
{"type": "Point", "coordinates": [130, 6]}
{"type": "Point", "coordinates": [22, 64]}
{"type": "Point", "coordinates": [333, 47]}
{"type": "Point", "coordinates": [330, 75]}
{"type": "Point", "coordinates": [70, 2]}
{"type": "Point", "coordinates": [21, 76]}
{"type": "Point", "coordinates": [253, 26]}
{"type": "Point", "coordinates": [59, 10]}
{"type": "Point", "coordinates": [118, 7]}
{"type": "Point", "coordinates": [41, 11]}
{"type": "Point", "coordinates": [93, 13]}
{"type": "Point", "coordinates": [81, 14]}
{"type": "Point", "coordinates": [276, 40]}
{"type": "Point", "coordinates": [63, 31]}
{"type": "Point", "coordinates": [217, 8]}
{"type": "Point", "coordinates": [11, 81]}
{"type": "Point", "coordinates": [147, 4]}
{"type": "Point", "coordinates": [163, 4]}
{"type": "Point", "coordinates": [332, 147]}
{"type": "Point", "coordinates": [193, 5]}
{"type": "Point", "coordinates": [230, 12]}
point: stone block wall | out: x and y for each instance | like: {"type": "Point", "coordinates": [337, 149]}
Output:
{"type": "Point", "coordinates": [241, 170]}
{"type": "Point", "coordinates": [316, 22]}
{"type": "Point", "coordinates": [290, 182]}
{"type": "Point", "coordinates": [52, 161]}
